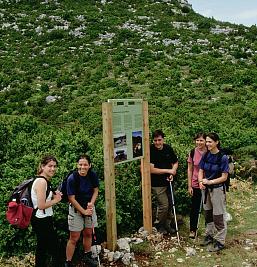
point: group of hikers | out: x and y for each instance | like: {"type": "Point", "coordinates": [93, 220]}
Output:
{"type": "Point", "coordinates": [207, 172]}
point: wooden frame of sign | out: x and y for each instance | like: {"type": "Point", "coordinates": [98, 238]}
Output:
{"type": "Point", "coordinates": [109, 175]}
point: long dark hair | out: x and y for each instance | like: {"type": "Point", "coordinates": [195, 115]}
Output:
{"type": "Point", "coordinates": [214, 137]}
{"type": "Point", "coordinates": [44, 161]}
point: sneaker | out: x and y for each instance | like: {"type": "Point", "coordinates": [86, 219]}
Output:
{"type": "Point", "coordinates": [87, 259]}
{"type": "Point", "coordinates": [207, 240]}
{"type": "Point", "coordinates": [67, 264]}
{"type": "Point", "coordinates": [217, 246]}
{"type": "Point", "coordinates": [192, 234]}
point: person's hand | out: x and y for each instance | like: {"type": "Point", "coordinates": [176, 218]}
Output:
{"type": "Point", "coordinates": [58, 192]}
{"type": "Point", "coordinates": [206, 182]}
{"type": "Point", "coordinates": [172, 172]}
{"type": "Point", "coordinates": [170, 178]}
{"type": "Point", "coordinates": [90, 205]}
{"type": "Point", "coordinates": [201, 185]}
{"type": "Point", "coordinates": [190, 190]}
{"type": "Point", "coordinates": [57, 197]}
{"type": "Point", "coordinates": [88, 212]}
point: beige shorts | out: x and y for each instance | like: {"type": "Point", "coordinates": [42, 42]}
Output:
{"type": "Point", "coordinates": [77, 222]}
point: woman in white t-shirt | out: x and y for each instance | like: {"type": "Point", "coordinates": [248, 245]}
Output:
{"type": "Point", "coordinates": [43, 199]}
{"type": "Point", "coordinates": [193, 185]}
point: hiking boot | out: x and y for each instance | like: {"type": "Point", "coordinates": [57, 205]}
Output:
{"type": "Point", "coordinates": [192, 234]}
{"type": "Point", "coordinates": [162, 230]}
{"type": "Point", "coordinates": [217, 246]}
{"type": "Point", "coordinates": [169, 229]}
{"type": "Point", "coordinates": [88, 260]}
{"type": "Point", "coordinates": [67, 264]}
{"type": "Point", "coordinates": [207, 240]}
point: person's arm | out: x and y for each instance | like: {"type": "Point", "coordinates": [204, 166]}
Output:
{"type": "Point", "coordinates": [218, 180]}
{"type": "Point", "coordinates": [155, 170]}
{"type": "Point", "coordinates": [84, 211]}
{"type": "Point", "coordinates": [174, 168]}
{"type": "Point", "coordinates": [40, 189]}
{"type": "Point", "coordinates": [93, 199]}
{"type": "Point", "coordinates": [201, 178]}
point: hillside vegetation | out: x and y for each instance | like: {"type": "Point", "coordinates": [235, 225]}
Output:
{"type": "Point", "coordinates": [59, 60]}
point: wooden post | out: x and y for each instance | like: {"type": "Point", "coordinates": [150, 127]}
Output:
{"type": "Point", "coordinates": [109, 177]}
{"type": "Point", "coordinates": [146, 177]}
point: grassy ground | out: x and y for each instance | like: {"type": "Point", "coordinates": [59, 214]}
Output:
{"type": "Point", "coordinates": [241, 243]}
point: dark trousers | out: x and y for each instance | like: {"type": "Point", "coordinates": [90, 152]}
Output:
{"type": "Point", "coordinates": [195, 208]}
{"type": "Point", "coordinates": [47, 242]}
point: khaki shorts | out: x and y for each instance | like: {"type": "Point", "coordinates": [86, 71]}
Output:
{"type": "Point", "coordinates": [77, 222]}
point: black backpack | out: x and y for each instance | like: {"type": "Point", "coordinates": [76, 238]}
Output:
{"type": "Point", "coordinates": [63, 185]}
{"type": "Point", "coordinates": [22, 192]}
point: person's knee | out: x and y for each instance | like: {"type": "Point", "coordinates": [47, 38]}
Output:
{"type": "Point", "coordinates": [208, 216]}
{"type": "Point", "coordinates": [87, 233]}
{"type": "Point", "coordinates": [164, 207]}
{"type": "Point", "coordinates": [74, 238]}
{"type": "Point", "coordinates": [73, 241]}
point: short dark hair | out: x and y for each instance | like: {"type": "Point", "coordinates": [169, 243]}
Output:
{"type": "Point", "coordinates": [200, 134]}
{"type": "Point", "coordinates": [157, 133]}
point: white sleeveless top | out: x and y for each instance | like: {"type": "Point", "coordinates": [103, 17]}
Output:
{"type": "Point", "coordinates": [41, 213]}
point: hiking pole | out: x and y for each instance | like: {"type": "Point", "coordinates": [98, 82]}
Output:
{"type": "Point", "coordinates": [174, 211]}
{"type": "Point", "coordinates": [198, 219]}
{"type": "Point", "coordinates": [94, 236]}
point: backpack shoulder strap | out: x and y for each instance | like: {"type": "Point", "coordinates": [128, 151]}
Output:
{"type": "Point", "coordinates": [226, 184]}
{"type": "Point", "coordinates": [220, 156]}
{"type": "Point", "coordinates": [76, 181]}
{"type": "Point", "coordinates": [192, 153]}
{"type": "Point", "coordinates": [205, 155]}
{"type": "Point", "coordinates": [48, 183]}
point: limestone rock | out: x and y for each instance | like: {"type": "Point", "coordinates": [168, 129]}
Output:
{"type": "Point", "coordinates": [123, 245]}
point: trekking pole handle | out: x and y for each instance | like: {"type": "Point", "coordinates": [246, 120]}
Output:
{"type": "Point", "coordinates": [170, 178]}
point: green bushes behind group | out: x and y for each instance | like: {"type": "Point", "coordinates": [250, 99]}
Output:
{"type": "Point", "coordinates": [24, 140]}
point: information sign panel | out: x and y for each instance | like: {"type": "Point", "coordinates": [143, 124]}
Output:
{"type": "Point", "coordinates": [127, 128]}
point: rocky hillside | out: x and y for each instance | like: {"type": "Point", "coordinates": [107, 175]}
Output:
{"type": "Point", "coordinates": [61, 59]}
